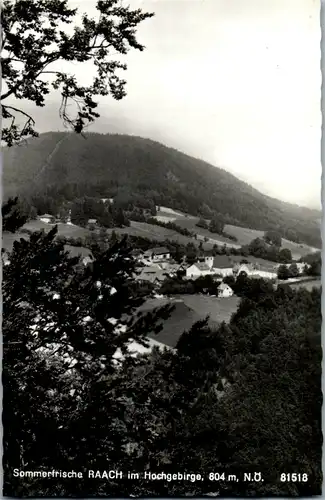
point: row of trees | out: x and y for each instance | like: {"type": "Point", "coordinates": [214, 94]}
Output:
{"type": "Point", "coordinates": [312, 268]}
{"type": "Point", "coordinates": [106, 214]}
{"type": "Point", "coordinates": [171, 225]}
{"type": "Point", "coordinates": [61, 379]}
{"type": "Point", "coordinates": [216, 225]}
{"type": "Point", "coordinates": [81, 210]}
{"type": "Point", "coordinates": [273, 238]}
{"type": "Point", "coordinates": [314, 260]}
{"type": "Point", "coordinates": [286, 272]}
{"type": "Point", "coordinates": [259, 248]}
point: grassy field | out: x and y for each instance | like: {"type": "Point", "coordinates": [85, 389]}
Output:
{"type": "Point", "coordinates": [203, 305]}
{"type": "Point", "coordinates": [244, 235]}
{"type": "Point", "coordinates": [188, 310]}
{"type": "Point", "coordinates": [36, 225]}
{"type": "Point", "coordinates": [63, 229]}
{"type": "Point", "coordinates": [171, 212]}
{"type": "Point", "coordinates": [214, 238]}
{"type": "Point", "coordinates": [9, 238]}
{"type": "Point", "coordinates": [219, 309]}
{"type": "Point", "coordinates": [298, 250]}
{"type": "Point", "coordinates": [156, 233]}
{"type": "Point", "coordinates": [140, 229]}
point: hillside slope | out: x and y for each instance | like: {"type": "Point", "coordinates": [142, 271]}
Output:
{"type": "Point", "coordinates": [107, 164]}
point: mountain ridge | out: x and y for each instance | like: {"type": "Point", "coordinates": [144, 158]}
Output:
{"type": "Point", "coordinates": [135, 164]}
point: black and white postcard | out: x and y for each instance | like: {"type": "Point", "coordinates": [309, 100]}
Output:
{"type": "Point", "coordinates": [161, 248]}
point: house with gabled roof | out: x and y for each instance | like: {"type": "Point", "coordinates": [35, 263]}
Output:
{"type": "Point", "coordinates": [157, 254]}
{"type": "Point", "coordinates": [243, 268]}
{"type": "Point", "coordinates": [222, 265]}
{"type": "Point", "coordinates": [92, 223]}
{"type": "Point", "coordinates": [254, 271]}
{"type": "Point", "coordinates": [225, 290]}
{"type": "Point", "coordinates": [197, 270]}
{"type": "Point", "coordinates": [47, 218]}
{"type": "Point", "coordinates": [151, 274]}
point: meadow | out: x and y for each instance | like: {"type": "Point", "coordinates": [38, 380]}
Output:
{"type": "Point", "coordinates": [202, 306]}
{"type": "Point", "coordinates": [218, 309]}
{"type": "Point", "coordinates": [158, 233]}
{"type": "Point", "coordinates": [244, 235]}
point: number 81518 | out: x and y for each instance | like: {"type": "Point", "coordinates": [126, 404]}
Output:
{"type": "Point", "coordinates": [293, 477]}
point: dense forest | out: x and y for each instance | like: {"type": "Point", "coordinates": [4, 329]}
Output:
{"type": "Point", "coordinates": [136, 171]}
{"type": "Point", "coordinates": [242, 397]}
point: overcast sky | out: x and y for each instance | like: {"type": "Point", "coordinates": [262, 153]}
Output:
{"type": "Point", "coordinates": [234, 82]}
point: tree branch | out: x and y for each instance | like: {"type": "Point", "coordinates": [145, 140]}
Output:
{"type": "Point", "coordinates": [19, 111]}
{"type": "Point", "coordinates": [46, 63]}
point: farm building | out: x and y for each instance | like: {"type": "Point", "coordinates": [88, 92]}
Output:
{"type": "Point", "coordinates": [222, 265]}
{"type": "Point", "coordinates": [157, 254]}
{"type": "Point", "coordinates": [152, 274]}
{"type": "Point", "coordinates": [197, 270]}
{"type": "Point", "coordinates": [254, 271]}
{"type": "Point", "coordinates": [91, 224]}
{"type": "Point", "coordinates": [243, 268]}
{"type": "Point", "coordinates": [225, 290]}
{"type": "Point", "coordinates": [264, 274]}
{"type": "Point", "coordinates": [47, 218]}
{"type": "Point", "coordinates": [87, 260]}
{"type": "Point", "coordinates": [107, 200]}
{"type": "Point", "coordinates": [5, 258]}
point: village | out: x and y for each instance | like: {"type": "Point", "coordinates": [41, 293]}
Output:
{"type": "Point", "coordinates": [205, 288]}
{"type": "Point", "coordinates": [214, 299]}
{"type": "Point", "coordinates": [156, 264]}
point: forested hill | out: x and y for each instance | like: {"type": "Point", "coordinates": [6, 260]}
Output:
{"type": "Point", "coordinates": [130, 166]}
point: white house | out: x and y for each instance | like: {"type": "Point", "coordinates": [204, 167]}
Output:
{"type": "Point", "coordinates": [224, 290]}
{"type": "Point", "coordinates": [107, 200]}
{"type": "Point", "coordinates": [47, 218]}
{"type": "Point", "coordinates": [5, 258]}
{"type": "Point", "coordinates": [222, 265]}
{"type": "Point", "coordinates": [68, 221]}
{"type": "Point", "coordinates": [208, 259]}
{"type": "Point", "coordinates": [87, 260]}
{"type": "Point", "coordinates": [269, 275]}
{"type": "Point", "coordinates": [243, 268]}
{"type": "Point", "coordinates": [302, 266]}
{"type": "Point", "coordinates": [197, 270]}
{"type": "Point", "coordinates": [91, 223]}
{"type": "Point", "coordinates": [253, 271]}
{"type": "Point", "coordinates": [157, 254]}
